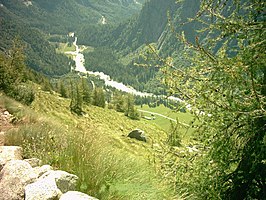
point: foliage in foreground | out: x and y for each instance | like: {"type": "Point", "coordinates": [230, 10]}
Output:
{"type": "Point", "coordinates": [226, 89]}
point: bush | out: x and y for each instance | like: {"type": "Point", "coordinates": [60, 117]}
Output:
{"type": "Point", "coordinates": [22, 93]}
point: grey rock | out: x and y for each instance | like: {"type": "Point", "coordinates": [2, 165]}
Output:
{"type": "Point", "coordinates": [74, 195]}
{"type": "Point", "coordinates": [64, 181]}
{"type": "Point", "coordinates": [42, 170]}
{"type": "Point", "coordinates": [43, 189]}
{"type": "Point", "coordinates": [8, 153]}
{"type": "Point", "coordinates": [15, 175]}
{"type": "Point", "coordinates": [34, 162]}
{"type": "Point", "coordinates": [138, 134]}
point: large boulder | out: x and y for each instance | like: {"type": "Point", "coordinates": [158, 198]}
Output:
{"type": "Point", "coordinates": [34, 162]}
{"type": "Point", "coordinates": [8, 153]}
{"type": "Point", "coordinates": [42, 170]}
{"type": "Point", "coordinates": [64, 181]}
{"type": "Point", "coordinates": [43, 189]}
{"type": "Point", "coordinates": [15, 175]}
{"type": "Point", "coordinates": [74, 195]}
{"type": "Point", "coordinates": [50, 185]}
{"type": "Point", "coordinates": [138, 134]}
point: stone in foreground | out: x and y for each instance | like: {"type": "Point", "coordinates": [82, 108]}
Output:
{"type": "Point", "coordinates": [73, 195]}
{"type": "Point", "coordinates": [8, 153]}
{"type": "Point", "coordinates": [42, 170]}
{"type": "Point", "coordinates": [64, 181]}
{"type": "Point", "coordinates": [15, 175]}
{"type": "Point", "coordinates": [43, 189]}
{"type": "Point", "coordinates": [34, 162]}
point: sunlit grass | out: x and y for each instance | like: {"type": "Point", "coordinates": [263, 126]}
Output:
{"type": "Point", "coordinates": [94, 147]}
{"type": "Point", "coordinates": [185, 119]}
{"type": "Point", "coordinates": [64, 47]}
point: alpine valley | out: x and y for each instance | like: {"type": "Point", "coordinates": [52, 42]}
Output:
{"type": "Point", "coordinates": [140, 99]}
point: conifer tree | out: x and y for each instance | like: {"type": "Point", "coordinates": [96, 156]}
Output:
{"type": "Point", "coordinates": [13, 74]}
{"type": "Point", "coordinates": [224, 85]}
{"type": "Point", "coordinates": [76, 99]}
{"type": "Point", "coordinates": [86, 93]}
{"type": "Point", "coordinates": [119, 102]}
{"type": "Point", "coordinates": [130, 110]}
{"type": "Point", "coordinates": [99, 97]}
{"type": "Point", "coordinates": [12, 67]}
{"type": "Point", "coordinates": [62, 90]}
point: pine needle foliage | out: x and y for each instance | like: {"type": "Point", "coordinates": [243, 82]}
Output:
{"type": "Point", "coordinates": [225, 87]}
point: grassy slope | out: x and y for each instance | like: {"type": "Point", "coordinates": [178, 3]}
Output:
{"type": "Point", "coordinates": [110, 165]}
{"type": "Point", "coordinates": [165, 124]}
{"type": "Point", "coordinates": [111, 124]}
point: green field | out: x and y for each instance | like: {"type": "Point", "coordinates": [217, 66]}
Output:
{"type": "Point", "coordinates": [93, 146]}
{"type": "Point", "coordinates": [164, 123]}
{"type": "Point", "coordinates": [63, 47]}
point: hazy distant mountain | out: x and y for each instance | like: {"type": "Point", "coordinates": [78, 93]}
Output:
{"type": "Point", "coordinates": [30, 19]}
{"type": "Point", "coordinates": [150, 26]}
{"type": "Point", "coordinates": [62, 16]}
{"type": "Point", "coordinates": [148, 23]}
{"type": "Point", "coordinates": [142, 29]}
{"type": "Point", "coordinates": [40, 54]}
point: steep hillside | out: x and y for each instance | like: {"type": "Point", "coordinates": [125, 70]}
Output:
{"type": "Point", "coordinates": [40, 54]}
{"type": "Point", "coordinates": [181, 23]}
{"type": "Point", "coordinates": [142, 29]}
{"type": "Point", "coordinates": [63, 16]}
{"type": "Point", "coordinates": [147, 28]}
{"type": "Point", "coordinates": [93, 146]}
{"type": "Point", "coordinates": [150, 26]}
{"type": "Point", "coordinates": [32, 22]}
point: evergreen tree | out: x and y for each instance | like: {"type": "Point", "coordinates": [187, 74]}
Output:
{"type": "Point", "coordinates": [174, 138]}
{"type": "Point", "coordinates": [13, 74]}
{"type": "Point", "coordinates": [76, 99]}
{"type": "Point", "coordinates": [99, 97]}
{"type": "Point", "coordinates": [119, 102]}
{"type": "Point", "coordinates": [12, 67]}
{"type": "Point", "coordinates": [86, 92]}
{"type": "Point", "coordinates": [62, 90]}
{"type": "Point", "coordinates": [130, 110]}
{"type": "Point", "coordinates": [225, 85]}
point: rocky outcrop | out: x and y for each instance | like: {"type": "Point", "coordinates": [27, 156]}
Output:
{"type": "Point", "coordinates": [15, 175]}
{"type": "Point", "coordinates": [34, 162]}
{"type": "Point", "coordinates": [8, 153]}
{"type": "Point", "coordinates": [42, 170]}
{"type": "Point", "coordinates": [138, 134]}
{"type": "Point", "coordinates": [43, 189]}
{"type": "Point", "coordinates": [27, 179]}
{"type": "Point", "coordinates": [64, 181]}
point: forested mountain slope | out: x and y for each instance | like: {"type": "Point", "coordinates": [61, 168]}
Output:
{"type": "Point", "coordinates": [40, 54]}
{"type": "Point", "coordinates": [34, 21]}
{"type": "Point", "coordinates": [63, 16]}
{"type": "Point", "coordinates": [142, 29]}
{"type": "Point", "coordinates": [150, 26]}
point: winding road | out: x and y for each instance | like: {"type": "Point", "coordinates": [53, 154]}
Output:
{"type": "Point", "coordinates": [158, 114]}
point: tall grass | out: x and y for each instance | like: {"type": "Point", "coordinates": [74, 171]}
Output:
{"type": "Point", "coordinates": [103, 171]}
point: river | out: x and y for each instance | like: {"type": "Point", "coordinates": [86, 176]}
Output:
{"type": "Point", "coordinates": [80, 61]}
